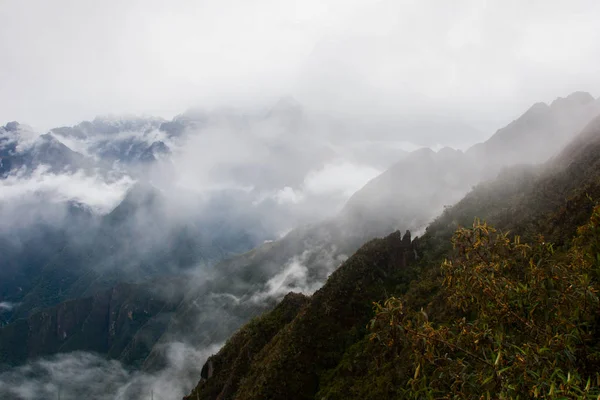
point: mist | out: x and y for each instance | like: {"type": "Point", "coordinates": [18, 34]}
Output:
{"type": "Point", "coordinates": [279, 181]}
{"type": "Point", "coordinates": [178, 168]}
{"type": "Point", "coordinates": [371, 60]}
{"type": "Point", "coordinates": [76, 375]}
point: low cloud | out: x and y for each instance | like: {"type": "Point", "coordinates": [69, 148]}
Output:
{"type": "Point", "coordinates": [98, 193]}
{"type": "Point", "coordinates": [7, 306]}
{"type": "Point", "coordinates": [296, 276]}
{"type": "Point", "coordinates": [339, 177]}
{"type": "Point", "coordinates": [86, 375]}
{"type": "Point", "coordinates": [324, 190]}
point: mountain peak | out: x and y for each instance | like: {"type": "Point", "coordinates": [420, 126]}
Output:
{"type": "Point", "coordinates": [423, 151]}
{"type": "Point", "coordinates": [575, 98]}
{"type": "Point", "coordinates": [49, 138]}
{"type": "Point", "coordinates": [448, 150]}
{"type": "Point", "coordinates": [537, 108]}
{"type": "Point", "coordinates": [141, 195]}
{"type": "Point", "coordinates": [141, 190]}
{"type": "Point", "coordinates": [47, 141]}
{"type": "Point", "coordinates": [16, 128]}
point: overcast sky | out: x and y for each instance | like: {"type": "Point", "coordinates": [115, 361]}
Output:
{"type": "Point", "coordinates": [484, 62]}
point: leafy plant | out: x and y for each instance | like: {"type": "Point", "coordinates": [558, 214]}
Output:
{"type": "Point", "coordinates": [520, 320]}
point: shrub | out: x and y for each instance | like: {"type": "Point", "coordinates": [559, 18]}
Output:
{"type": "Point", "coordinates": [519, 321]}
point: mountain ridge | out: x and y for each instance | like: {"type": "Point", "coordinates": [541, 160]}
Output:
{"type": "Point", "coordinates": [312, 370]}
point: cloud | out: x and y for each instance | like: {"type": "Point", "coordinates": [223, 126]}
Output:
{"type": "Point", "coordinates": [20, 134]}
{"type": "Point", "coordinates": [357, 57]}
{"type": "Point", "coordinates": [296, 277]}
{"type": "Point", "coordinates": [339, 177]}
{"type": "Point", "coordinates": [293, 278]}
{"type": "Point", "coordinates": [89, 145]}
{"type": "Point", "coordinates": [93, 190]}
{"type": "Point", "coordinates": [7, 306]}
{"type": "Point", "coordinates": [86, 375]}
{"type": "Point", "coordinates": [288, 195]}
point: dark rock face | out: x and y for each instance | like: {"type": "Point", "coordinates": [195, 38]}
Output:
{"type": "Point", "coordinates": [406, 239]}
{"type": "Point", "coordinates": [106, 323]}
{"type": "Point", "coordinates": [207, 370]}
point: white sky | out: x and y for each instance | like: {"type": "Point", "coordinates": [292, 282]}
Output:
{"type": "Point", "coordinates": [484, 62]}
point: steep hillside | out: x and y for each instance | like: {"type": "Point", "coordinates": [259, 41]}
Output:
{"type": "Point", "coordinates": [406, 196]}
{"type": "Point", "coordinates": [423, 183]}
{"type": "Point", "coordinates": [411, 192]}
{"type": "Point", "coordinates": [244, 286]}
{"type": "Point", "coordinates": [325, 352]}
{"type": "Point", "coordinates": [252, 339]}
{"type": "Point", "coordinates": [333, 319]}
{"type": "Point", "coordinates": [539, 133]}
{"type": "Point", "coordinates": [112, 322]}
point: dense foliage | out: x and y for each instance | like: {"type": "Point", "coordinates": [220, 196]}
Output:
{"type": "Point", "coordinates": [520, 321]}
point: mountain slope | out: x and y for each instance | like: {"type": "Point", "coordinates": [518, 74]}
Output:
{"type": "Point", "coordinates": [316, 338]}
{"type": "Point", "coordinates": [552, 201]}
{"type": "Point", "coordinates": [539, 133]}
{"type": "Point", "coordinates": [324, 349]}
{"type": "Point", "coordinates": [252, 339]}
{"type": "Point", "coordinates": [411, 192]}
{"type": "Point", "coordinates": [105, 323]}
{"type": "Point", "coordinates": [423, 183]}
{"type": "Point", "coordinates": [406, 196]}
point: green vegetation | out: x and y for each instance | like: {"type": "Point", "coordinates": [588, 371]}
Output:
{"type": "Point", "coordinates": [520, 321]}
{"type": "Point", "coordinates": [233, 361]}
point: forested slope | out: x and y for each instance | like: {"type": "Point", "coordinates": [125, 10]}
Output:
{"type": "Point", "coordinates": [512, 311]}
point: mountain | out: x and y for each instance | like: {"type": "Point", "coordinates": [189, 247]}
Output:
{"type": "Point", "coordinates": [335, 346]}
{"type": "Point", "coordinates": [118, 322]}
{"type": "Point", "coordinates": [406, 196]}
{"type": "Point", "coordinates": [421, 184]}
{"type": "Point", "coordinates": [79, 255]}
{"type": "Point", "coordinates": [110, 125]}
{"type": "Point", "coordinates": [162, 235]}
{"type": "Point", "coordinates": [28, 226]}
{"type": "Point", "coordinates": [152, 232]}
{"type": "Point", "coordinates": [18, 152]}
{"type": "Point", "coordinates": [127, 140]}
{"type": "Point", "coordinates": [539, 133]}
{"type": "Point", "coordinates": [410, 192]}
